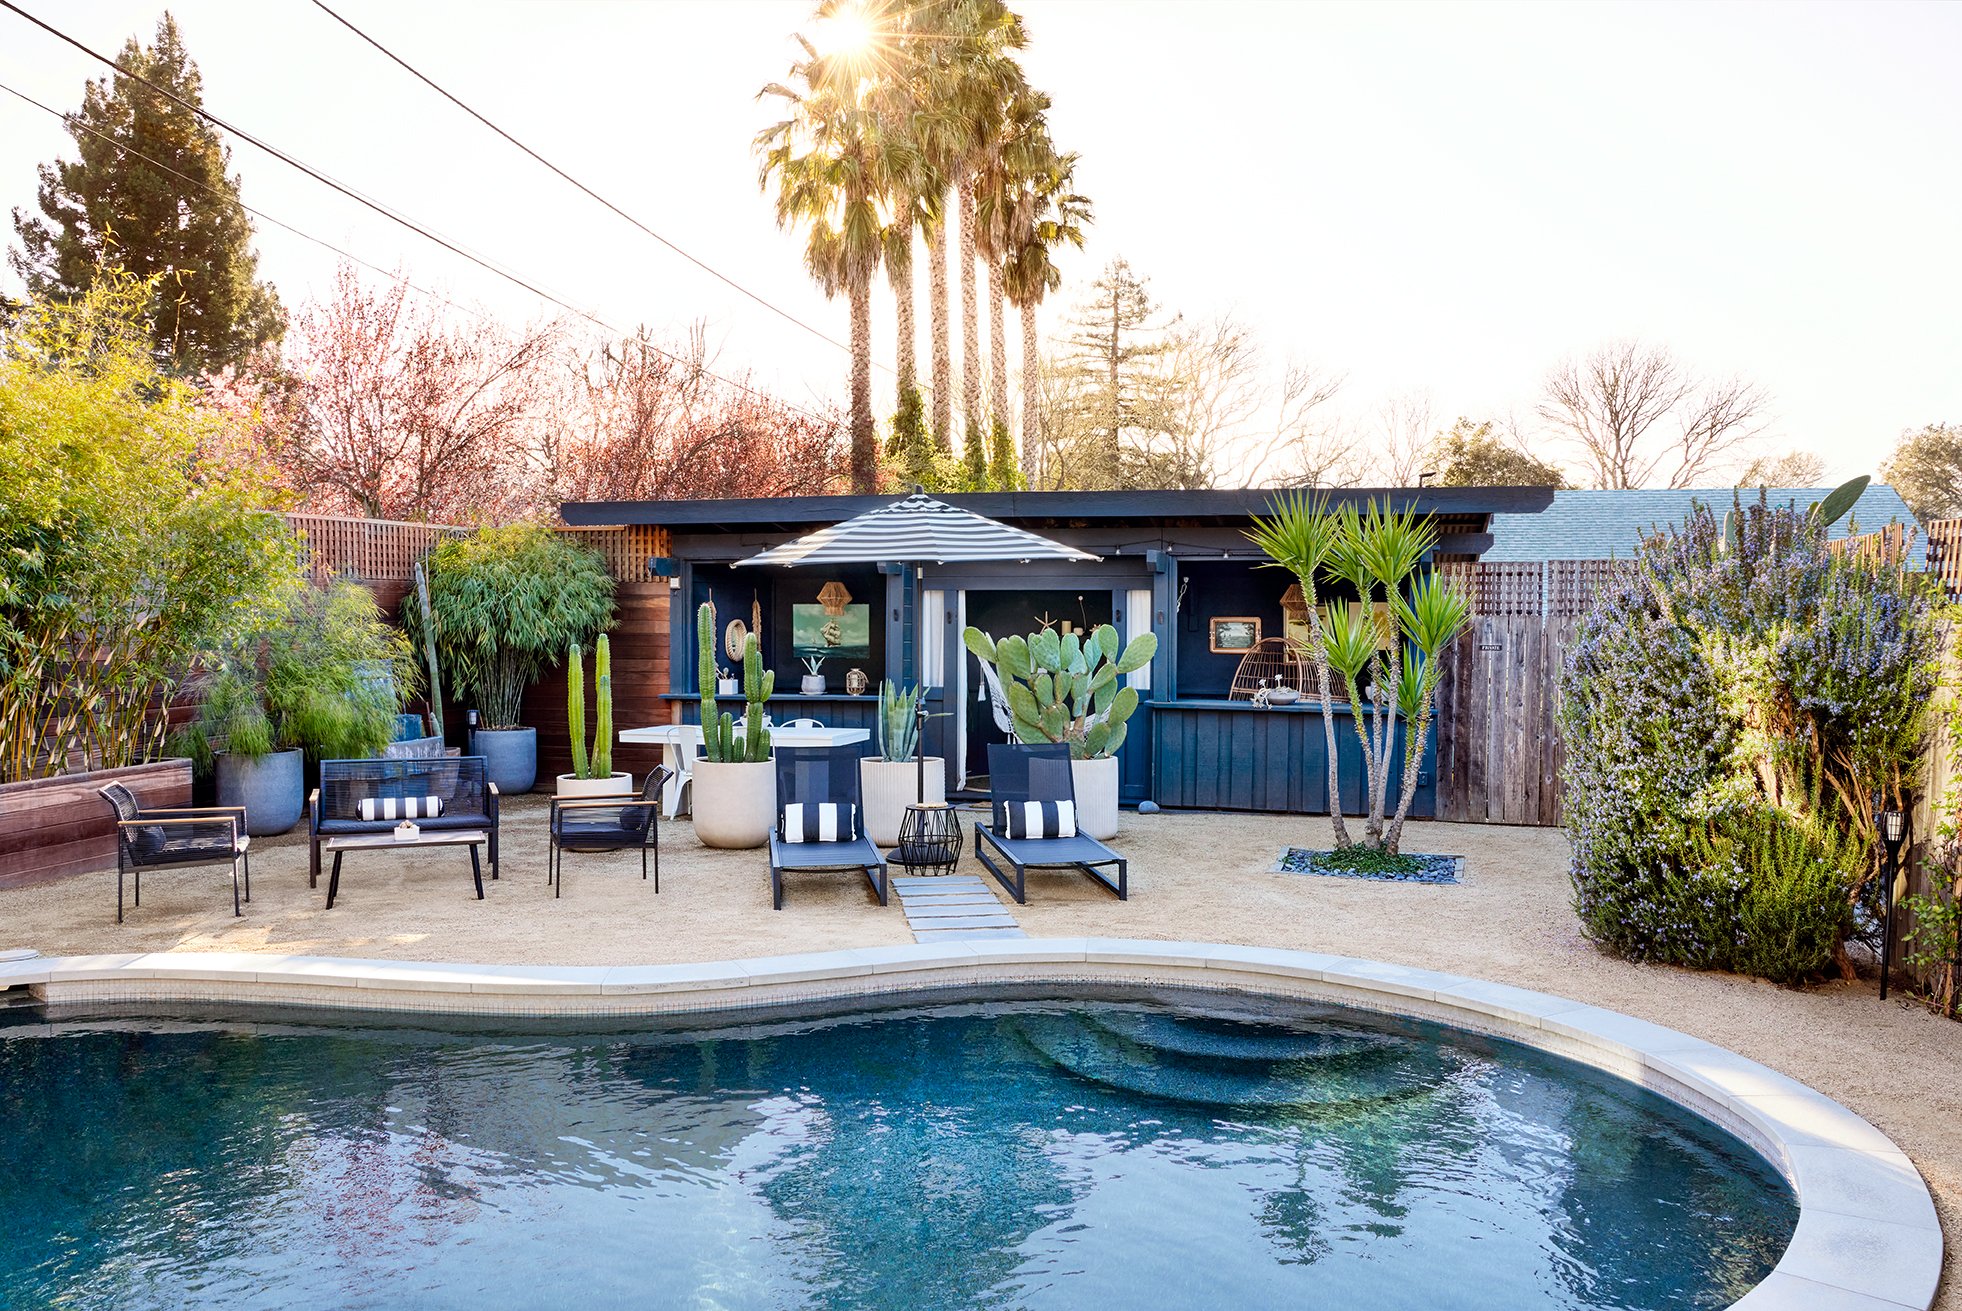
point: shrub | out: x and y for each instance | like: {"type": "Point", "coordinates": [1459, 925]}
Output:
{"type": "Point", "coordinates": [1734, 705]}
{"type": "Point", "coordinates": [323, 673]}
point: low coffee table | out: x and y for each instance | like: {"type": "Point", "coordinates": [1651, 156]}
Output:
{"type": "Point", "coordinates": [461, 837]}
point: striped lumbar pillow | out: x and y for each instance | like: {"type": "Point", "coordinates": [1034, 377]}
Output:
{"type": "Point", "coordinates": [825, 822]}
{"type": "Point", "coordinates": [1036, 819]}
{"type": "Point", "coordinates": [401, 807]}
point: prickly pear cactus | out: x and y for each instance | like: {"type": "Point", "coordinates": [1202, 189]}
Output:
{"type": "Point", "coordinates": [1063, 687]}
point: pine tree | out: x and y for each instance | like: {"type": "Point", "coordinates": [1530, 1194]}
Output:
{"type": "Point", "coordinates": [179, 216]}
{"type": "Point", "coordinates": [1112, 341]}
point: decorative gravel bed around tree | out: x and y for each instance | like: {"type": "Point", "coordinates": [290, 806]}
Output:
{"type": "Point", "coordinates": [1360, 863]}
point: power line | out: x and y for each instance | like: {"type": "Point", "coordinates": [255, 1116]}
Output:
{"type": "Point", "coordinates": [431, 83]}
{"type": "Point", "coordinates": [75, 122]}
{"type": "Point", "coordinates": [390, 214]}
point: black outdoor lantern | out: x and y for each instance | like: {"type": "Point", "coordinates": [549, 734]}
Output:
{"type": "Point", "coordinates": [1893, 828]}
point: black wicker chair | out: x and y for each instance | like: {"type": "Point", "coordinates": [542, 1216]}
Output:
{"type": "Point", "coordinates": [460, 783]}
{"type": "Point", "coordinates": [813, 776]}
{"type": "Point", "coordinates": [175, 838]}
{"type": "Point", "coordinates": [607, 824]}
{"type": "Point", "coordinates": [1038, 773]}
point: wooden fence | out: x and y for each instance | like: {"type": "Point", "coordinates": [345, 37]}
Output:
{"type": "Point", "coordinates": [1945, 555]}
{"type": "Point", "coordinates": [386, 550]}
{"type": "Point", "coordinates": [1499, 753]}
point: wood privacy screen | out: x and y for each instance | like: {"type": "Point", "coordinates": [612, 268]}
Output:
{"type": "Point", "coordinates": [1499, 753]}
{"type": "Point", "coordinates": [386, 550]}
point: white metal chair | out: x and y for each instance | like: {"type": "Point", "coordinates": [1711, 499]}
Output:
{"type": "Point", "coordinates": [805, 722]}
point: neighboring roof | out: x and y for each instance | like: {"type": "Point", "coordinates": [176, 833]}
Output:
{"type": "Point", "coordinates": [1037, 510]}
{"type": "Point", "coordinates": [1603, 525]}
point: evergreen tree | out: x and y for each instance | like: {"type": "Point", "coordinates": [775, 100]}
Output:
{"type": "Point", "coordinates": [177, 220]}
{"type": "Point", "coordinates": [1113, 345]}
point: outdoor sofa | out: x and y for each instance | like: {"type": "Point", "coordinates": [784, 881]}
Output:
{"type": "Point", "coordinates": [464, 796]}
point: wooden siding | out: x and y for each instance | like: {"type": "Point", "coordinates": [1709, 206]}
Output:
{"type": "Point", "coordinates": [639, 638]}
{"type": "Point", "coordinates": [53, 827]}
{"type": "Point", "coordinates": [1228, 756]}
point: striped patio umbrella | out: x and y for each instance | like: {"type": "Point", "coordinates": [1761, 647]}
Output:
{"type": "Point", "coordinates": [917, 530]}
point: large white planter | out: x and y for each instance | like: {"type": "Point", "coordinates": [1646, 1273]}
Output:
{"type": "Point", "coordinates": [1095, 782]}
{"type": "Point", "coordinates": [735, 803]}
{"type": "Point", "coordinates": [613, 785]}
{"type": "Point", "coordinates": [889, 786]}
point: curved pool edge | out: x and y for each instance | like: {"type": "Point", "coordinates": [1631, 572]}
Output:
{"type": "Point", "coordinates": [1867, 1237]}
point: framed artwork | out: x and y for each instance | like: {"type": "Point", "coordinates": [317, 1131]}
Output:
{"type": "Point", "coordinates": [1232, 634]}
{"type": "Point", "coordinates": [815, 631]}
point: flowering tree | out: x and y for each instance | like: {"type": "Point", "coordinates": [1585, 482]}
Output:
{"type": "Point", "coordinates": [386, 409]}
{"type": "Point", "coordinates": [641, 422]}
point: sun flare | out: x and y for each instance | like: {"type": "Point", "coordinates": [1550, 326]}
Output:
{"type": "Point", "coordinates": [845, 32]}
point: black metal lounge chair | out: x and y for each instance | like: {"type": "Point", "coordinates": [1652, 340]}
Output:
{"type": "Point", "coordinates": [809, 778]}
{"type": "Point", "coordinates": [176, 837]}
{"type": "Point", "coordinates": [607, 824]}
{"type": "Point", "coordinates": [1017, 776]}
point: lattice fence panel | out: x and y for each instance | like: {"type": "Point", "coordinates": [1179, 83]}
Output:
{"type": "Point", "coordinates": [1571, 585]}
{"type": "Point", "coordinates": [1501, 588]}
{"type": "Point", "coordinates": [1945, 554]}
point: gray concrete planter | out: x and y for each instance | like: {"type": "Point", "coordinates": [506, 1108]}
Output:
{"type": "Point", "coordinates": [271, 789]}
{"type": "Point", "coordinates": [510, 757]}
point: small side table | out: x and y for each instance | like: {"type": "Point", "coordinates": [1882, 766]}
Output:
{"type": "Point", "coordinates": [930, 839]}
{"type": "Point", "coordinates": [460, 837]}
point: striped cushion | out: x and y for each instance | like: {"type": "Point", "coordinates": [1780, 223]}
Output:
{"type": "Point", "coordinates": [1036, 819]}
{"type": "Point", "coordinates": [372, 808]}
{"type": "Point", "coordinates": [825, 822]}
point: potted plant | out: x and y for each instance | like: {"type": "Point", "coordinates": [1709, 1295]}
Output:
{"type": "Point", "coordinates": [592, 774]}
{"type": "Point", "coordinates": [812, 684]}
{"type": "Point", "coordinates": [321, 678]}
{"type": "Point", "coordinates": [1063, 687]}
{"type": "Point", "coordinates": [890, 782]}
{"type": "Point", "coordinates": [735, 787]}
{"type": "Point", "coordinates": [506, 602]}
{"type": "Point", "coordinates": [726, 683]}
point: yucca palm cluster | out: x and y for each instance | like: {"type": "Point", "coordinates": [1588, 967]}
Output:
{"type": "Point", "coordinates": [920, 118]}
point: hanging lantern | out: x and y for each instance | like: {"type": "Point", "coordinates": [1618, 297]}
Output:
{"type": "Point", "coordinates": [833, 597]}
{"type": "Point", "coordinates": [1294, 606]}
{"type": "Point", "coordinates": [855, 682]}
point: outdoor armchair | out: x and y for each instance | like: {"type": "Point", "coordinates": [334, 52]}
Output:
{"type": "Point", "coordinates": [176, 837]}
{"type": "Point", "coordinates": [1033, 792]}
{"type": "Point", "coordinates": [821, 818]}
{"type": "Point", "coordinates": [619, 823]}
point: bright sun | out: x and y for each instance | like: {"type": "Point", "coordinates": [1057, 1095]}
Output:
{"type": "Point", "coordinates": [845, 32]}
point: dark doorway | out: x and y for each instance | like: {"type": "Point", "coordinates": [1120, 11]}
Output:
{"type": "Point", "coordinates": [1001, 614]}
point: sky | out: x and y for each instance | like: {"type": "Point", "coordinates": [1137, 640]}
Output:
{"type": "Point", "coordinates": [1433, 200]}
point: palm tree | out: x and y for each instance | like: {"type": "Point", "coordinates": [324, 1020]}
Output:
{"type": "Point", "coordinates": [824, 158]}
{"type": "Point", "coordinates": [1019, 150]}
{"type": "Point", "coordinates": [1047, 213]}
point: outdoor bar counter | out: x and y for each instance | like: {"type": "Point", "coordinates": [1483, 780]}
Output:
{"type": "Point", "coordinates": [1234, 755]}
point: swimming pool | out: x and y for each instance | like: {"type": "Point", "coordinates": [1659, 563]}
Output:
{"type": "Point", "coordinates": [1120, 1148]}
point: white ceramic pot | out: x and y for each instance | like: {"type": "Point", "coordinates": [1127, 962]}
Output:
{"type": "Point", "coordinates": [811, 685]}
{"type": "Point", "coordinates": [1095, 782]}
{"type": "Point", "coordinates": [735, 803]}
{"type": "Point", "coordinates": [727, 687]}
{"type": "Point", "coordinates": [613, 785]}
{"type": "Point", "coordinates": [889, 786]}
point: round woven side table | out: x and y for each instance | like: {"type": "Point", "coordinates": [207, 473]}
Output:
{"type": "Point", "coordinates": [930, 840]}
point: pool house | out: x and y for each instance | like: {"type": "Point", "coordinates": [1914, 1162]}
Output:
{"type": "Point", "coordinates": [1174, 563]}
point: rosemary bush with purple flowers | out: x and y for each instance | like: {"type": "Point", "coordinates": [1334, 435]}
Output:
{"type": "Point", "coordinates": [1734, 706]}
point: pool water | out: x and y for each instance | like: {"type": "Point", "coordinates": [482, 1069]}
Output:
{"type": "Point", "coordinates": [1113, 1150]}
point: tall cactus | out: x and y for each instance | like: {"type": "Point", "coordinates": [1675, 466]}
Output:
{"type": "Point", "coordinates": [575, 710]}
{"type": "Point", "coordinates": [603, 736]}
{"type": "Point", "coordinates": [720, 741]}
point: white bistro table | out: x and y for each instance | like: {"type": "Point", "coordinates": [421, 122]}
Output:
{"type": "Point", "coordinates": [682, 741]}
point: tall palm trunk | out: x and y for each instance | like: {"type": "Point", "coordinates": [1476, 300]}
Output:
{"type": "Point", "coordinates": [1031, 386]}
{"type": "Point", "coordinates": [943, 360]}
{"type": "Point", "coordinates": [997, 347]}
{"type": "Point", "coordinates": [899, 272]}
{"type": "Point", "coordinates": [865, 451]}
{"type": "Point", "coordinates": [970, 320]}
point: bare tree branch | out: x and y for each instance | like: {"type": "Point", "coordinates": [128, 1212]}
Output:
{"type": "Point", "coordinates": [1611, 403]}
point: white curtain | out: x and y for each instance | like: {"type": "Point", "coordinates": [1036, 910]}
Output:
{"type": "Point", "coordinates": [1137, 619]}
{"type": "Point", "coordinates": [933, 638]}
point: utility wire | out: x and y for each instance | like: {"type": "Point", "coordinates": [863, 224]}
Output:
{"type": "Point", "coordinates": [392, 215]}
{"type": "Point", "coordinates": [431, 83]}
{"type": "Point", "coordinates": [75, 122]}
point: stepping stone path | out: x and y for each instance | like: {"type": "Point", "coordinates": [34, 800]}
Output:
{"type": "Point", "coordinates": [953, 908]}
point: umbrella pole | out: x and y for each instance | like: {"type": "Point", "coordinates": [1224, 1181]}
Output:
{"type": "Point", "coordinates": [919, 702]}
